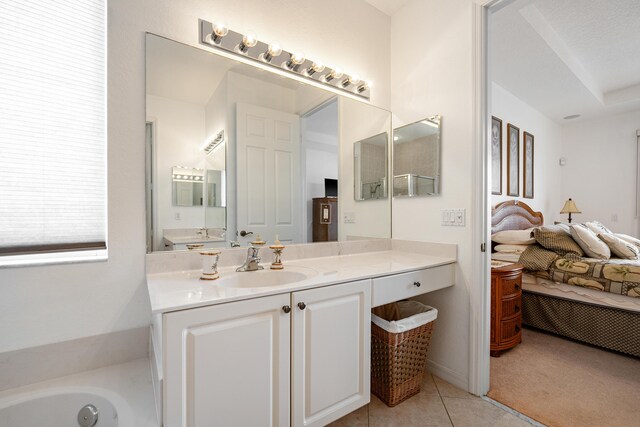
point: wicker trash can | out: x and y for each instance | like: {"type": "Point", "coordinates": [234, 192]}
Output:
{"type": "Point", "coordinates": [399, 352]}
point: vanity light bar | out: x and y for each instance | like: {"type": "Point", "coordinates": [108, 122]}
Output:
{"type": "Point", "coordinates": [209, 146]}
{"type": "Point", "coordinates": [248, 46]}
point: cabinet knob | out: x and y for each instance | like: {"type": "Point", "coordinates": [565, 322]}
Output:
{"type": "Point", "coordinates": [417, 284]}
{"type": "Point", "coordinates": [302, 305]}
{"type": "Point", "coordinates": [286, 308]}
{"type": "Point", "coordinates": [517, 328]}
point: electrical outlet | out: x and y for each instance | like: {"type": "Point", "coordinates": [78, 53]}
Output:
{"type": "Point", "coordinates": [614, 217]}
{"type": "Point", "coordinates": [177, 216]}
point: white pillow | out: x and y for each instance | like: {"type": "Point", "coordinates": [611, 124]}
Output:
{"type": "Point", "coordinates": [511, 249]}
{"type": "Point", "coordinates": [620, 248]}
{"type": "Point", "coordinates": [597, 227]}
{"type": "Point", "coordinates": [514, 237]}
{"type": "Point", "coordinates": [589, 242]}
{"type": "Point", "coordinates": [628, 238]}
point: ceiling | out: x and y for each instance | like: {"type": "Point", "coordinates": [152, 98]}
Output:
{"type": "Point", "coordinates": [389, 7]}
{"type": "Point", "coordinates": [564, 59]}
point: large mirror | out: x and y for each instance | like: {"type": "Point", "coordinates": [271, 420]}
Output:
{"type": "Point", "coordinates": [235, 150]}
{"type": "Point", "coordinates": [416, 158]}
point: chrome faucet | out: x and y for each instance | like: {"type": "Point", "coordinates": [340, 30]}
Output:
{"type": "Point", "coordinates": [252, 261]}
{"type": "Point", "coordinates": [204, 232]}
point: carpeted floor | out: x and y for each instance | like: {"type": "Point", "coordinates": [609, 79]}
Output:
{"type": "Point", "coordinates": [562, 383]}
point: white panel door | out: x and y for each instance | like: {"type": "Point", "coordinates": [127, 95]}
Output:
{"type": "Point", "coordinates": [228, 365]}
{"type": "Point", "coordinates": [268, 173]}
{"type": "Point", "coordinates": [331, 346]}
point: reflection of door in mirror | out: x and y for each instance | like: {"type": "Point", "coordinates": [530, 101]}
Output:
{"type": "Point", "coordinates": [268, 157]}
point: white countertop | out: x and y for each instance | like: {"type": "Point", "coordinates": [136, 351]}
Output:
{"type": "Point", "coordinates": [184, 289]}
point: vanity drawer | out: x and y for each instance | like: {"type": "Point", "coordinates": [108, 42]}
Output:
{"type": "Point", "coordinates": [406, 285]}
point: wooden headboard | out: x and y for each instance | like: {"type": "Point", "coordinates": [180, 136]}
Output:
{"type": "Point", "coordinates": [514, 215]}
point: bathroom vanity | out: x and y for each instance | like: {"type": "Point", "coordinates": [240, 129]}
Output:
{"type": "Point", "coordinates": [279, 348]}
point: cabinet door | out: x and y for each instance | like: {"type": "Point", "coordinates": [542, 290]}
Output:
{"type": "Point", "coordinates": [228, 365]}
{"type": "Point", "coordinates": [331, 348]}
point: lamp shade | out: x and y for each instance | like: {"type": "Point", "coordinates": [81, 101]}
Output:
{"type": "Point", "coordinates": [570, 207]}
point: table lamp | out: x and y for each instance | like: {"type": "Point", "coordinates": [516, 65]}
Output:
{"type": "Point", "coordinates": [569, 208]}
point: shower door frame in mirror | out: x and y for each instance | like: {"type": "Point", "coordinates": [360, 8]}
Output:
{"type": "Point", "coordinates": [246, 82]}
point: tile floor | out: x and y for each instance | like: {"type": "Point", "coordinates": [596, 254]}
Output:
{"type": "Point", "coordinates": [438, 404]}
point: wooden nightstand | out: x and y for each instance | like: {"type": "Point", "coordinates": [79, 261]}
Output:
{"type": "Point", "coordinates": [506, 308]}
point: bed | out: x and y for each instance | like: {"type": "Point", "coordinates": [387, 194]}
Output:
{"type": "Point", "coordinates": [606, 319]}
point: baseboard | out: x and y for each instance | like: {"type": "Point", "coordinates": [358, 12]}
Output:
{"type": "Point", "coordinates": [31, 365]}
{"type": "Point", "coordinates": [449, 375]}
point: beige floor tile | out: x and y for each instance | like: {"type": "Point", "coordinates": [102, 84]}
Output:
{"type": "Point", "coordinates": [448, 390]}
{"type": "Point", "coordinates": [358, 418]}
{"type": "Point", "coordinates": [475, 412]}
{"type": "Point", "coordinates": [428, 385]}
{"type": "Point", "coordinates": [421, 410]}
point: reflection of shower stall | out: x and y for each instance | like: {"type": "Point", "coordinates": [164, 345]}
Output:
{"type": "Point", "coordinates": [374, 190]}
{"type": "Point", "coordinates": [410, 185]}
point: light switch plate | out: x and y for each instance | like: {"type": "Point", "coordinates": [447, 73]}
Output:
{"type": "Point", "coordinates": [453, 217]}
{"type": "Point", "coordinates": [349, 217]}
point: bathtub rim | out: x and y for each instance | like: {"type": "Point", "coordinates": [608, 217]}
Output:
{"type": "Point", "coordinates": [125, 414]}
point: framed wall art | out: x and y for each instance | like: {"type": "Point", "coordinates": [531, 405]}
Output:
{"type": "Point", "coordinates": [527, 165]}
{"type": "Point", "coordinates": [496, 156]}
{"type": "Point", "coordinates": [513, 160]}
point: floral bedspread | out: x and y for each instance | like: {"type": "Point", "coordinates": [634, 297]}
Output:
{"type": "Point", "coordinates": [616, 276]}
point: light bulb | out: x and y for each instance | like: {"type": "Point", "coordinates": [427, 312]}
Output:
{"type": "Point", "coordinates": [316, 67]}
{"type": "Point", "coordinates": [274, 49]}
{"type": "Point", "coordinates": [335, 73]}
{"type": "Point", "coordinates": [350, 80]}
{"type": "Point", "coordinates": [219, 31]}
{"type": "Point", "coordinates": [248, 40]}
{"type": "Point", "coordinates": [295, 60]}
{"type": "Point", "coordinates": [364, 86]}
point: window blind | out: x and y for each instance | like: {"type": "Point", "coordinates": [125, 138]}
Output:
{"type": "Point", "coordinates": [52, 128]}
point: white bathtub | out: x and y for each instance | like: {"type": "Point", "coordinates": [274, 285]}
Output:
{"type": "Point", "coordinates": [59, 407]}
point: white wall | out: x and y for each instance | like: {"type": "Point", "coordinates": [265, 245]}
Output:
{"type": "Point", "coordinates": [547, 152]}
{"type": "Point", "coordinates": [372, 217]}
{"type": "Point", "coordinates": [40, 305]}
{"type": "Point", "coordinates": [431, 73]}
{"type": "Point", "coordinates": [600, 174]}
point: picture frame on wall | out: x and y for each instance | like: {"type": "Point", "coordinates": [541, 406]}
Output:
{"type": "Point", "coordinates": [527, 165]}
{"type": "Point", "coordinates": [496, 156]}
{"type": "Point", "coordinates": [513, 160]}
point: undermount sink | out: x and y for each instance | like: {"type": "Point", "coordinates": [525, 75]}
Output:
{"type": "Point", "coordinates": [266, 278]}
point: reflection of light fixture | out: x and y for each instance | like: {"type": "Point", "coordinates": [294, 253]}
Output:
{"type": "Point", "coordinates": [316, 67]}
{"type": "Point", "coordinates": [294, 61]}
{"type": "Point", "coordinates": [219, 31]}
{"type": "Point", "coordinates": [248, 40]}
{"type": "Point", "coordinates": [569, 208]}
{"type": "Point", "coordinates": [211, 144]}
{"type": "Point", "coordinates": [363, 86]}
{"type": "Point", "coordinates": [274, 49]}
{"type": "Point", "coordinates": [430, 123]}
{"type": "Point", "coordinates": [395, 138]}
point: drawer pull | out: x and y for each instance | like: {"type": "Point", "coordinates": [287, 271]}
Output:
{"type": "Point", "coordinates": [286, 308]}
{"type": "Point", "coordinates": [417, 284]}
{"type": "Point", "coordinates": [302, 305]}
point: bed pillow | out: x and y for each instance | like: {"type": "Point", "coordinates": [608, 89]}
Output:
{"type": "Point", "coordinates": [620, 248]}
{"type": "Point", "coordinates": [628, 238]}
{"type": "Point", "coordinates": [513, 237]}
{"type": "Point", "coordinates": [597, 227]}
{"type": "Point", "coordinates": [589, 242]}
{"type": "Point", "coordinates": [554, 238]}
{"type": "Point", "coordinates": [511, 249]}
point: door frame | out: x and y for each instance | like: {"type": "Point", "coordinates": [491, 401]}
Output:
{"type": "Point", "coordinates": [480, 301]}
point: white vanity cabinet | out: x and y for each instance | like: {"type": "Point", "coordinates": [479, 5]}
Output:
{"type": "Point", "coordinates": [228, 364]}
{"type": "Point", "coordinates": [331, 346]}
{"type": "Point", "coordinates": [233, 364]}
